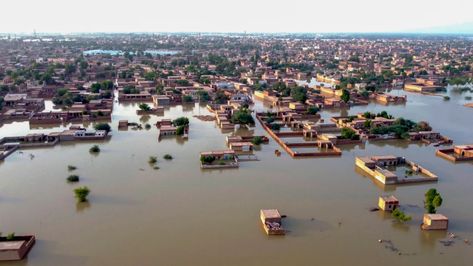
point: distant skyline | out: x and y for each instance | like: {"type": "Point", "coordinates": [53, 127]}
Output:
{"type": "Point", "coordinates": [59, 16]}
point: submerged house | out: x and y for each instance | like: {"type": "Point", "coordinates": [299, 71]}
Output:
{"type": "Point", "coordinates": [219, 159]}
{"type": "Point", "coordinates": [16, 248]}
{"type": "Point", "coordinates": [271, 220]}
{"type": "Point", "coordinates": [457, 153]}
{"type": "Point", "coordinates": [383, 169]}
{"type": "Point", "coordinates": [434, 222]}
{"type": "Point", "coordinates": [388, 203]}
{"type": "Point", "coordinates": [90, 134]}
{"type": "Point", "coordinates": [243, 147]}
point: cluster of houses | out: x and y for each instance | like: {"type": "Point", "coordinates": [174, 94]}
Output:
{"type": "Point", "coordinates": [34, 140]}
{"type": "Point", "coordinates": [430, 221]}
{"type": "Point", "coordinates": [422, 85]}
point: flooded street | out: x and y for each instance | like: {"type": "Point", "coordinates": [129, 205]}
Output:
{"type": "Point", "coordinates": [182, 215]}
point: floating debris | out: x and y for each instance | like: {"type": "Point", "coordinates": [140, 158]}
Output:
{"type": "Point", "coordinates": [447, 243]}
{"type": "Point", "coordinates": [389, 245]}
{"type": "Point", "coordinates": [375, 209]}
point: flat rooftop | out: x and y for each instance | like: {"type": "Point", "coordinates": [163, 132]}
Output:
{"type": "Point", "coordinates": [11, 245]}
{"type": "Point", "coordinates": [271, 213]}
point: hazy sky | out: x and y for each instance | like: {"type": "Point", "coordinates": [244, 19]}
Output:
{"type": "Point", "coordinates": [231, 16]}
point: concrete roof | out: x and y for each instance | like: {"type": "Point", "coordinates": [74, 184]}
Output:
{"type": "Point", "coordinates": [11, 245]}
{"type": "Point", "coordinates": [437, 217]}
{"type": "Point", "coordinates": [271, 213]}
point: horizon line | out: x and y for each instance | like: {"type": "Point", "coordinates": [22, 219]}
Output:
{"type": "Point", "coordinates": [236, 32]}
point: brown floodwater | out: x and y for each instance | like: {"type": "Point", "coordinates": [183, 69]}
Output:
{"type": "Point", "coordinates": [182, 215]}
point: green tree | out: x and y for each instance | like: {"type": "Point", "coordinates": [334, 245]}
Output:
{"type": "Point", "coordinates": [144, 107]}
{"type": "Point", "coordinates": [150, 76]}
{"type": "Point", "coordinates": [257, 140]}
{"type": "Point", "coordinates": [242, 116]}
{"type": "Point", "coordinates": [221, 97]}
{"type": "Point", "coordinates": [299, 94]}
{"type": "Point", "coordinates": [73, 178]}
{"type": "Point", "coordinates": [180, 130]}
{"type": "Point", "coordinates": [275, 126]}
{"type": "Point", "coordinates": [81, 193]}
{"type": "Point", "coordinates": [95, 88]}
{"type": "Point", "coordinates": [207, 159]}
{"type": "Point", "coordinates": [433, 200]}
{"type": "Point", "coordinates": [203, 96]}
{"type": "Point", "coordinates": [187, 99]}
{"type": "Point", "coordinates": [348, 133]}
{"type": "Point", "coordinates": [102, 126]}
{"type": "Point", "coordinates": [94, 149]}
{"type": "Point", "coordinates": [400, 215]}
{"type": "Point", "coordinates": [181, 121]}
{"type": "Point", "coordinates": [313, 110]}
{"type": "Point", "coordinates": [345, 96]}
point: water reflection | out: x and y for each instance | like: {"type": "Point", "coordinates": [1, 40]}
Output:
{"type": "Point", "coordinates": [82, 206]}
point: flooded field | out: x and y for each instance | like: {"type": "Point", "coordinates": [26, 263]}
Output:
{"type": "Point", "coordinates": [182, 215]}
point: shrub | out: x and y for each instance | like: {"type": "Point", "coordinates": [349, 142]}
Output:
{"type": "Point", "coordinates": [275, 127]}
{"type": "Point", "coordinates": [147, 126]}
{"type": "Point", "coordinates": [81, 193]}
{"type": "Point", "coordinates": [243, 117]}
{"type": "Point", "coordinates": [207, 159]}
{"type": "Point", "coordinates": [168, 157]}
{"type": "Point", "coordinates": [181, 121]}
{"type": "Point", "coordinates": [71, 167]}
{"type": "Point", "coordinates": [10, 236]}
{"type": "Point", "coordinates": [73, 178]}
{"type": "Point", "coordinates": [102, 126]}
{"type": "Point", "coordinates": [257, 140]}
{"type": "Point", "coordinates": [144, 107]}
{"type": "Point", "coordinates": [446, 98]}
{"type": "Point", "coordinates": [348, 133]}
{"type": "Point", "coordinates": [152, 160]}
{"type": "Point", "coordinates": [94, 149]}
{"type": "Point", "coordinates": [180, 130]}
{"type": "Point", "coordinates": [400, 215]}
{"type": "Point", "coordinates": [313, 110]}
{"type": "Point", "coordinates": [187, 99]}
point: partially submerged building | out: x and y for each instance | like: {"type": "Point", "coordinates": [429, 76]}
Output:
{"type": "Point", "coordinates": [16, 248]}
{"type": "Point", "coordinates": [271, 220]}
{"type": "Point", "coordinates": [458, 153]}
{"type": "Point", "coordinates": [434, 222]}
{"type": "Point", "coordinates": [219, 159]}
{"type": "Point", "coordinates": [385, 170]}
{"type": "Point", "coordinates": [388, 203]}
